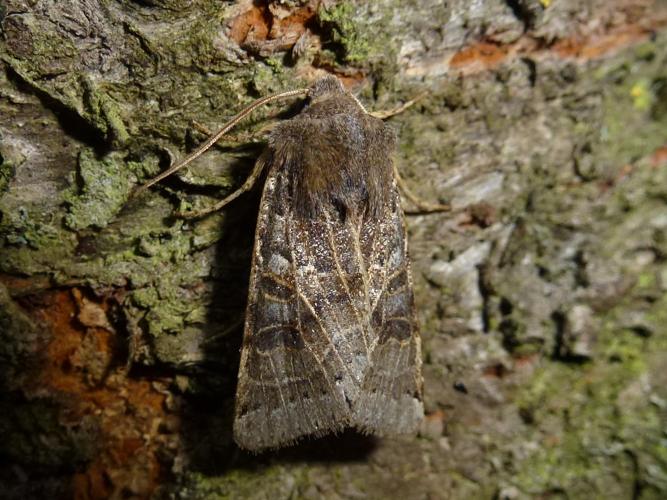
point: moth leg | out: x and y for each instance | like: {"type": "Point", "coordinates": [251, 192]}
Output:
{"type": "Point", "coordinates": [423, 207]}
{"type": "Point", "coordinates": [247, 185]}
{"type": "Point", "coordinates": [388, 113]}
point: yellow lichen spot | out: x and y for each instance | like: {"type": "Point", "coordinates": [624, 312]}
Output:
{"type": "Point", "coordinates": [641, 95]}
{"type": "Point", "coordinates": [545, 3]}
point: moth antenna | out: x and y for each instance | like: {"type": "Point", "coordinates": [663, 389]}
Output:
{"type": "Point", "coordinates": [213, 139]}
{"type": "Point", "coordinates": [356, 99]}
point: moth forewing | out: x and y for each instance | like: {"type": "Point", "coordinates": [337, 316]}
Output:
{"type": "Point", "coordinates": [331, 338]}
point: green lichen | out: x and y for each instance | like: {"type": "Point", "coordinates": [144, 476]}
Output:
{"type": "Point", "coordinates": [641, 95]}
{"type": "Point", "coordinates": [595, 430]}
{"type": "Point", "coordinates": [33, 434]}
{"type": "Point", "coordinates": [103, 113]}
{"type": "Point", "coordinates": [81, 96]}
{"type": "Point", "coordinates": [23, 227]}
{"type": "Point", "coordinates": [199, 44]}
{"type": "Point", "coordinates": [48, 49]}
{"type": "Point", "coordinates": [627, 105]}
{"type": "Point", "coordinates": [168, 300]}
{"type": "Point", "coordinates": [239, 483]}
{"type": "Point", "coordinates": [270, 75]}
{"type": "Point", "coordinates": [343, 24]}
{"type": "Point", "coordinates": [161, 264]}
{"type": "Point", "coordinates": [358, 33]}
{"type": "Point", "coordinates": [7, 172]}
{"type": "Point", "coordinates": [103, 191]}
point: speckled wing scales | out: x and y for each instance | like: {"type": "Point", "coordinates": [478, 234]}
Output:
{"type": "Point", "coordinates": [331, 338]}
{"type": "Point", "coordinates": [390, 399]}
{"type": "Point", "coordinates": [287, 384]}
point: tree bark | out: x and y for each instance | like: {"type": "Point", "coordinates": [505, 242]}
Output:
{"type": "Point", "coordinates": [542, 295]}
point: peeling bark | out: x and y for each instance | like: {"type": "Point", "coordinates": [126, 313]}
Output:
{"type": "Point", "coordinates": [542, 296]}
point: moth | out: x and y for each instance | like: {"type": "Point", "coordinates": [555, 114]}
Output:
{"type": "Point", "coordinates": [331, 339]}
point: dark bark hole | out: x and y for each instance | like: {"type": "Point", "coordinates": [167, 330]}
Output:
{"type": "Point", "coordinates": [505, 307]}
{"type": "Point", "coordinates": [460, 387]}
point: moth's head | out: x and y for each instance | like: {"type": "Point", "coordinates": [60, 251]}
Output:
{"type": "Point", "coordinates": [325, 87]}
{"type": "Point", "coordinates": [328, 96]}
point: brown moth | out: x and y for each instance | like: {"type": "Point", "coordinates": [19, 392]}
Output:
{"type": "Point", "coordinates": [331, 339]}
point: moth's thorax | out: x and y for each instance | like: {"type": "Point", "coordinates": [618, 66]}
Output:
{"type": "Point", "coordinates": [337, 156]}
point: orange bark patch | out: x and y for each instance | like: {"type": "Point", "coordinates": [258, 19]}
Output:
{"type": "Point", "coordinates": [66, 359]}
{"type": "Point", "coordinates": [497, 370]}
{"type": "Point", "coordinates": [19, 286]}
{"type": "Point", "coordinates": [595, 46]}
{"type": "Point", "coordinates": [484, 56]}
{"type": "Point", "coordinates": [659, 157]}
{"type": "Point", "coordinates": [254, 23]}
{"type": "Point", "coordinates": [436, 416]}
{"type": "Point", "coordinates": [352, 80]}
{"type": "Point", "coordinates": [295, 23]}
{"type": "Point", "coordinates": [259, 24]}
{"type": "Point", "coordinates": [479, 56]}
{"type": "Point", "coordinates": [83, 370]}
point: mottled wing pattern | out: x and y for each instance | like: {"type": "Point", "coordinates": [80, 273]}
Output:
{"type": "Point", "coordinates": [390, 400]}
{"type": "Point", "coordinates": [331, 339]}
{"type": "Point", "coordinates": [286, 385]}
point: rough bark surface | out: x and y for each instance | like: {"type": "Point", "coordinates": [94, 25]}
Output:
{"type": "Point", "coordinates": [542, 296]}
